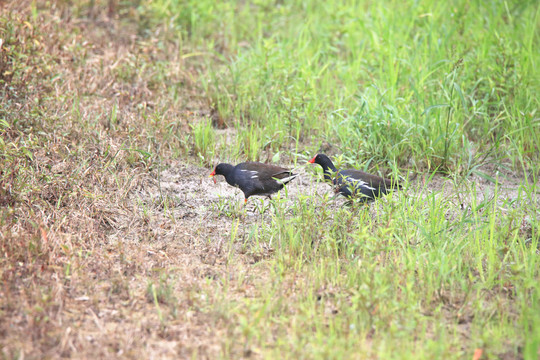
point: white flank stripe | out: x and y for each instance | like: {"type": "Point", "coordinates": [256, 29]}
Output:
{"type": "Point", "coordinates": [362, 184]}
{"type": "Point", "coordinates": [286, 180]}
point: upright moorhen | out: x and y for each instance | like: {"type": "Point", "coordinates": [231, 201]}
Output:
{"type": "Point", "coordinates": [254, 178]}
{"type": "Point", "coordinates": [351, 183]}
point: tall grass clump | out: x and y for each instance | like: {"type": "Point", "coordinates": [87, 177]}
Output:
{"type": "Point", "coordinates": [413, 275]}
{"type": "Point", "coordinates": [387, 80]}
{"type": "Point", "coordinates": [203, 135]}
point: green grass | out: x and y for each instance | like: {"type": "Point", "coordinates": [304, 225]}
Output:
{"type": "Point", "coordinates": [425, 86]}
{"type": "Point", "coordinates": [417, 277]}
{"type": "Point", "coordinates": [411, 82]}
{"type": "Point", "coordinates": [203, 141]}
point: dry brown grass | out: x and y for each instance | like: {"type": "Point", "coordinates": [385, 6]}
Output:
{"type": "Point", "coordinates": [80, 256]}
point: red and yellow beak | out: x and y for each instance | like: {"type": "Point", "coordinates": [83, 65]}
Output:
{"type": "Point", "coordinates": [212, 176]}
{"type": "Point", "coordinates": [312, 160]}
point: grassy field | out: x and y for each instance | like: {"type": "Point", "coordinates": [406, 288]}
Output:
{"type": "Point", "coordinates": [115, 244]}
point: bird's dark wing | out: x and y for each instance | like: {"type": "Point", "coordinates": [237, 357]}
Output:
{"type": "Point", "coordinates": [370, 179]}
{"type": "Point", "coordinates": [266, 171]}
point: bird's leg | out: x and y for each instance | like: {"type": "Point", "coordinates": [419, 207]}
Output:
{"type": "Point", "coordinates": [244, 224]}
{"type": "Point", "coordinates": [244, 208]}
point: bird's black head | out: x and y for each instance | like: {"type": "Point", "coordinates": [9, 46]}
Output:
{"type": "Point", "coordinates": [221, 169]}
{"type": "Point", "coordinates": [324, 161]}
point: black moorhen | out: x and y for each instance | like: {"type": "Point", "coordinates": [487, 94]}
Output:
{"type": "Point", "coordinates": [354, 182]}
{"type": "Point", "coordinates": [254, 178]}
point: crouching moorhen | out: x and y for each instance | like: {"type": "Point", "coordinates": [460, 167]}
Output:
{"type": "Point", "coordinates": [254, 178]}
{"type": "Point", "coordinates": [351, 183]}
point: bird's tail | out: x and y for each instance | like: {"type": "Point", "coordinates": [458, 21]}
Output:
{"type": "Point", "coordinates": [287, 179]}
